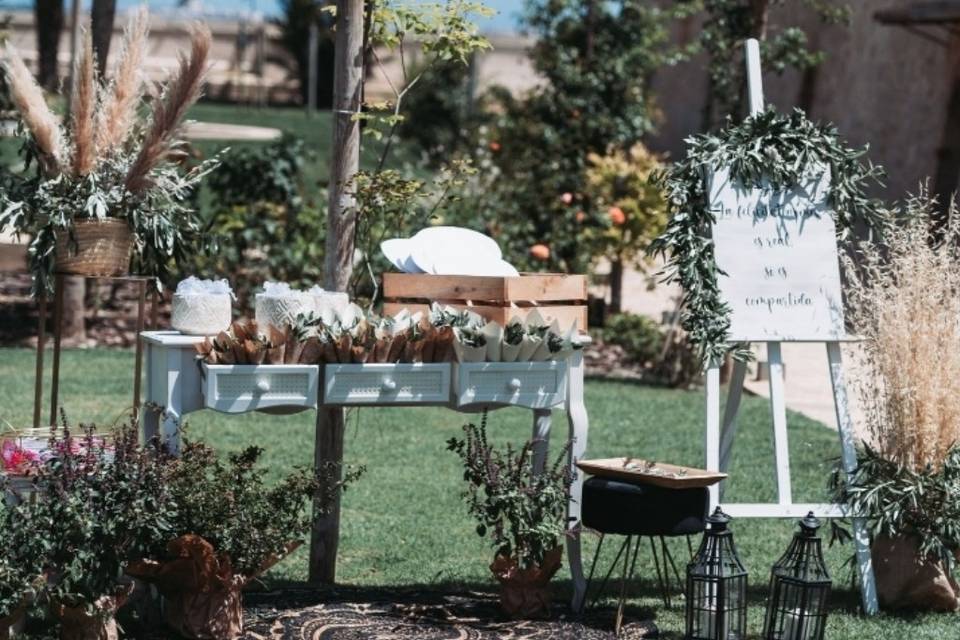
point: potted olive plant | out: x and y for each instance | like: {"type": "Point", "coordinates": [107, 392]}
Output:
{"type": "Point", "coordinates": [228, 529]}
{"type": "Point", "coordinates": [107, 184]}
{"type": "Point", "coordinates": [903, 299]}
{"type": "Point", "coordinates": [96, 507]}
{"type": "Point", "coordinates": [523, 511]}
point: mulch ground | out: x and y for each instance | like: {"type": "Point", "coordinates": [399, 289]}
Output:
{"type": "Point", "coordinates": [387, 614]}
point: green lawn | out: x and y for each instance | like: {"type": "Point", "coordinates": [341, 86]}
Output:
{"type": "Point", "coordinates": [404, 523]}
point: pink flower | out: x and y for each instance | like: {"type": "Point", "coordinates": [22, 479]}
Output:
{"type": "Point", "coordinates": [16, 458]}
{"type": "Point", "coordinates": [566, 198]}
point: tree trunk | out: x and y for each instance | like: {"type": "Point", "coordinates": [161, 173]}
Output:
{"type": "Point", "coordinates": [338, 261]}
{"type": "Point", "coordinates": [616, 286]}
{"type": "Point", "coordinates": [761, 16]}
{"type": "Point", "coordinates": [74, 328]}
{"type": "Point", "coordinates": [347, 92]}
{"type": "Point", "coordinates": [48, 15]}
{"type": "Point", "coordinates": [101, 18]}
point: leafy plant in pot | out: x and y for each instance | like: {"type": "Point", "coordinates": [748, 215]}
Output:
{"type": "Point", "coordinates": [110, 183]}
{"type": "Point", "coordinates": [522, 510]}
{"type": "Point", "coordinates": [229, 529]}
{"type": "Point", "coordinates": [903, 299]}
{"type": "Point", "coordinates": [21, 570]}
{"type": "Point", "coordinates": [95, 508]}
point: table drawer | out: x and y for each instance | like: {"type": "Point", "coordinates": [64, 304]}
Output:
{"type": "Point", "coordinates": [536, 385]}
{"type": "Point", "coordinates": [239, 388]}
{"type": "Point", "coordinates": [386, 384]}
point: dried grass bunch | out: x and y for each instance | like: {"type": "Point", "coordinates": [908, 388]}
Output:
{"type": "Point", "coordinates": [904, 299]}
{"type": "Point", "coordinates": [111, 157]}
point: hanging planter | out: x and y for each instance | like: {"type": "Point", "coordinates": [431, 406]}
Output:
{"type": "Point", "coordinates": [105, 184]}
{"type": "Point", "coordinates": [95, 247]}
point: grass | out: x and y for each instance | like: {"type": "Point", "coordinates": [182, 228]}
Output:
{"type": "Point", "coordinates": [404, 523]}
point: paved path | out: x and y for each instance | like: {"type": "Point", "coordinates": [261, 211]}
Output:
{"type": "Point", "coordinates": [219, 131]}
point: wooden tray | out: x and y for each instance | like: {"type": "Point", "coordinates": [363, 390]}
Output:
{"type": "Point", "coordinates": [555, 296]}
{"type": "Point", "coordinates": [633, 470]}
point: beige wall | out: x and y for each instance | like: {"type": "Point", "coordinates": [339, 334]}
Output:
{"type": "Point", "coordinates": [880, 85]}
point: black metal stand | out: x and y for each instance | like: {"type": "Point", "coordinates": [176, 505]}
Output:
{"type": "Point", "coordinates": [663, 578]}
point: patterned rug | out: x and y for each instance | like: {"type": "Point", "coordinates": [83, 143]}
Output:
{"type": "Point", "coordinates": [398, 615]}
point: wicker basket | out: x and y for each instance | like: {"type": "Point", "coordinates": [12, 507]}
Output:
{"type": "Point", "coordinates": [95, 248]}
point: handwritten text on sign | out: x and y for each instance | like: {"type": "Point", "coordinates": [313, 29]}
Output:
{"type": "Point", "coordinates": [778, 250]}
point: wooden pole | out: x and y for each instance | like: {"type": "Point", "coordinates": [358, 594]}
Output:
{"type": "Point", "coordinates": [313, 45]}
{"type": "Point", "coordinates": [74, 39]}
{"type": "Point", "coordinates": [338, 262]}
{"type": "Point", "coordinates": [347, 92]}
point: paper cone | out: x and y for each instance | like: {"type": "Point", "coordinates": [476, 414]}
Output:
{"type": "Point", "coordinates": [528, 347]}
{"type": "Point", "coordinates": [493, 333]}
{"type": "Point", "coordinates": [509, 352]}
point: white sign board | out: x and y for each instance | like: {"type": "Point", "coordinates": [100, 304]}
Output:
{"type": "Point", "coordinates": [777, 250]}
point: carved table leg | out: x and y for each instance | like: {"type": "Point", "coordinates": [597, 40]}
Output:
{"type": "Point", "coordinates": [541, 438]}
{"type": "Point", "coordinates": [577, 415]}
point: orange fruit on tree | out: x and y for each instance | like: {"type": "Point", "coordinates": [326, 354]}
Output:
{"type": "Point", "coordinates": [540, 252]}
{"type": "Point", "coordinates": [617, 216]}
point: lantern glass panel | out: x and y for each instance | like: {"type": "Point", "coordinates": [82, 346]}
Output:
{"type": "Point", "coordinates": [716, 586]}
{"type": "Point", "coordinates": [799, 588]}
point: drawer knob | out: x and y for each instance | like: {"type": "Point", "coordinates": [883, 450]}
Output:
{"type": "Point", "coordinates": [262, 386]}
{"type": "Point", "coordinates": [389, 384]}
{"type": "Point", "coordinates": [515, 384]}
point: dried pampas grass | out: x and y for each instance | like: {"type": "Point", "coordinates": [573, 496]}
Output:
{"type": "Point", "coordinates": [83, 106]}
{"type": "Point", "coordinates": [122, 96]}
{"type": "Point", "coordinates": [170, 108]}
{"type": "Point", "coordinates": [904, 299]}
{"type": "Point", "coordinates": [40, 121]}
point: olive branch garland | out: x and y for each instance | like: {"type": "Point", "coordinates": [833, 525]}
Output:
{"type": "Point", "coordinates": [769, 148]}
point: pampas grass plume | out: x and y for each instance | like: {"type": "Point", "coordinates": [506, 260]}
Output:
{"type": "Point", "coordinates": [83, 110]}
{"type": "Point", "coordinates": [122, 96]}
{"type": "Point", "coordinates": [170, 108]}
{"type": "Point", "coordinates": [40, 121]}
{"type": "Point", "coordinates": [904, 299]}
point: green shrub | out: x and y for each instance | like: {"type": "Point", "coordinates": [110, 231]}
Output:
{"type": "Point", "coordinates": [523, 512]}
{"type": "Point", "coordinates": [439, 114]}
{"type": "Point", "coordinates": [640, 337]}
{"type": "Point", "coordinates": [266, 228]}
{"type": "Point", "coordinates": [595, 97]}
{"type": "Point", "coordinates": [228, 504]}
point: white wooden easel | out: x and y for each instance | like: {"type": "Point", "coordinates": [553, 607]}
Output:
{"type": "Point", "coordinates": [720, 434]}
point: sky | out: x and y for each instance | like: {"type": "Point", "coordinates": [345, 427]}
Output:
{"type": "Point", "coordinates": [505, 20]}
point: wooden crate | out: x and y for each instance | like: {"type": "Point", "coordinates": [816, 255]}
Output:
{"type": "Point", "coordinates": [499, 299]}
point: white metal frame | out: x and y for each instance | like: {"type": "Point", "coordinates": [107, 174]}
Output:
{"type": "Point", "coordinates": [720, 434]}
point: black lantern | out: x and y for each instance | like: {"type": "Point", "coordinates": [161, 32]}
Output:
{"type": "Point", "coordinates": [799, 586]}
{"type": "Point", "coordinates": [716, 586]}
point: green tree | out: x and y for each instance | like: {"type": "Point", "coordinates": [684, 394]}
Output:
{"type": "Point", "coordinates": [48, 15]}
{"type": "Point", "coordinates": [297, 16]}
{"type": "Point", "coordinates": [727, 23]}
{"type": "Point", "coordinates": [596, 60]}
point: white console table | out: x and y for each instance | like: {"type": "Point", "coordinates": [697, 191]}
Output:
{"type": "Point", "coordinates": [178, 384]}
